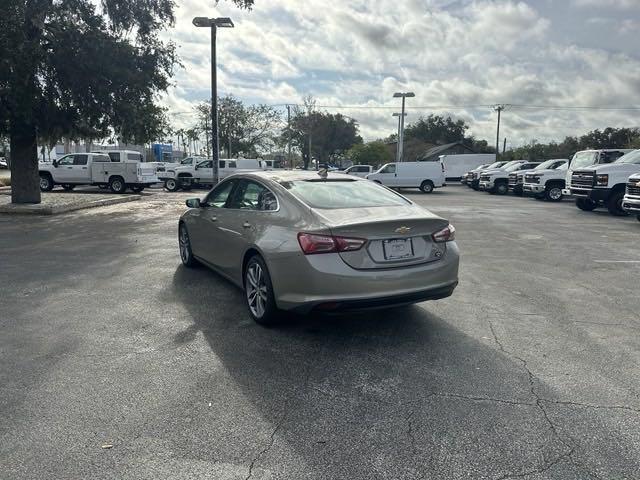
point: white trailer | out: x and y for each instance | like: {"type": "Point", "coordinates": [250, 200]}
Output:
{"type": "Point", "coordinates": [455, 166]}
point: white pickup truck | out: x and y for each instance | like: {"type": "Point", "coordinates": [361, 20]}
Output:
{"type": "Point", "coordinates": [546, 183]}
{"type": "Point", "coordinates": [631, 200]}
{"type": "Point", "coordinates": [604, 184]}
{"type": "Point", "coordinates": [497, 180]}
{"type": "Point", "coordinates": [198, 171]}
{"type": "Point", "coordinates": [96, 169]}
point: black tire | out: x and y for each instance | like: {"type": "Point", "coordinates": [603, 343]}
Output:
{"type": "Point", "coordinates": [585, 204]}
{"type": "Point", "coordinates": [262, 308]}
{"type": "Point", "coordinates": [427, 186]}
{"type": "Point", "coordinates": [46, 183]}
{"type": "Point", "coordinates": [117, 185]}
{"type": "Point", "coordinates": [171, 185]}
{"type": "Point", "coordinates": [137, 189]}
{"type": "Point", "coordinates": [501, 188]}
{"type": "Point", "coordinates": [553, 193]}
{"type": "Point", "coordinates": [68, 187]}
{"type": "Point", "coordinates": [614, 204]}
{"type": "Point", "coordinates": [184, 244]}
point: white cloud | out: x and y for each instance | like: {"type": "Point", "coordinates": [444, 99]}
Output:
{"type": "Point", "coordinates": [457, 52]}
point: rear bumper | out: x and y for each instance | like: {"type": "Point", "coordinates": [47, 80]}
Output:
{"type": "Point", "coordinates": [631, 204]}
{"type": "Point", "coordinates": [305, 283]}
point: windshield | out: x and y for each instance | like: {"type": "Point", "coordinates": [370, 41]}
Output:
{"type": "Point", "coordinates": [514, 167]}
{"type": "Point", "coordinates": [584, 159]}
{"type": "Point", "coordinates": [633, 157]}
{"type": "Point", "coordinates": [343, 194]}
{"type": "Point", "coordinates": [545, 165]}
{"type": "Point", "coordinates": [495, 165]}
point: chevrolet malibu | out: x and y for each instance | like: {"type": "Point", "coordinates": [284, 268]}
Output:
{"type": "Point", "coordinates": [300, 241]}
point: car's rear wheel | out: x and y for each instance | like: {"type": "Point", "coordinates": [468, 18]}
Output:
{"type": "Point", "coordinates": [117, 185]}
{"type": "Point", "coordinates": [171, 185]}
{"type": "Point", "coordinates": [427, 186]}
{"type": "Point", "coordinates": [46, 183]}
{"type": "Point", "coordinates": [186, 254]}
{"type": "Point", "coordinates": [614, 204]}
{"type": "Point", "coordinates": [586, 204]}
{"type": "Point", "coordinates": [259, 292]}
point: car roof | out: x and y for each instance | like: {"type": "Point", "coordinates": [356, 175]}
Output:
{"type": "Point", "coordinates": [293, 175]}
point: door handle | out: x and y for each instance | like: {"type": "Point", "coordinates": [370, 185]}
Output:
{"type": "Point", "coordinates": [246, 225]}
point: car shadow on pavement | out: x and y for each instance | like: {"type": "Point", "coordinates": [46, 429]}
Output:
{"type": "Point", "coordinates": [391, 394]}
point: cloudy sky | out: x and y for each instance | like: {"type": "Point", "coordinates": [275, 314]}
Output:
{"type": "Point", "coordinates": [456, 55]}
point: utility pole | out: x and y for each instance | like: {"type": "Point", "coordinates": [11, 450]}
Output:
{"type": "Point", "coordinates": [402, 95]}
{"type": "Point", "coordinates": [504, 146]}
{"type": "Point", "coordinates": [289, 136]}
{"type": "Point", "coordinates": [499, 109]}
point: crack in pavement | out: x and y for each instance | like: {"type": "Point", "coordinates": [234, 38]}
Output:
{"type": "Point", "coordinates": [589, 405]}
{"type": "Point", "coordinates": [539, 403]}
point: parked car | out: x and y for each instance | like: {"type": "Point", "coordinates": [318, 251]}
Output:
{"type": "Point", "coordinates": [96, 169]}
{"type": "Point", "coordinates": [423, 175]}
{"type": "Point", "coordinates": [170, 174]}
{"type": "Point", "coordinates": [604, 184]}
{"type": "Point", "coordinates": [586, 158]}
{"type": "Point", "coordinates": [497, 180]}
{"type": "Point", "coordinates": [631, 200]}
{"type": "Point", "coordinates": [475, 175]}
{"type": "Point", "coordinates": [200, 174]}
{"type": "Point", "coordinates": [456, 166]}
{"type": "Point", "coordinates": [468, 177]}
{"type": "Point", "coordinates": [546, 183]}
{"type": "Point", "coordinates": [359, 170]}
{"type": "Point", "coordinates": [356, 244]}
{"type": "Point", "coordinates": [516, 179]}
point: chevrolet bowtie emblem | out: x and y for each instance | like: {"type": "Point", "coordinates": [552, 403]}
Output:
{"type": "Point", "coordinates": [402, 230]}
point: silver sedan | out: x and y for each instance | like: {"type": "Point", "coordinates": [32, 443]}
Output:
{"type": "Point", "coordinates": [295, 240]}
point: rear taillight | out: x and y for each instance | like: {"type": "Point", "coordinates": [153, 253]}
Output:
{"type": "Point", "coordinates": [313, 244]}
{"type": "Point", "coordinates": [447, 234]}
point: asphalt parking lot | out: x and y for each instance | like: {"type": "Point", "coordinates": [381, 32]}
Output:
{"type": "Point", "coordinates": [116, 362]}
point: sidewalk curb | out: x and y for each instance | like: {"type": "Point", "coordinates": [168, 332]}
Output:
{"type": "Point", "coordinates": [39, 209]}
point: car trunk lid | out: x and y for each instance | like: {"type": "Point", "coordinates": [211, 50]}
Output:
{"type": "Point", "coordinates": [395, 236]}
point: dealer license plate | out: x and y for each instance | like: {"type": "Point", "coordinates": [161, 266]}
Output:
{"type": "Point", "coordinates": [398, 249]}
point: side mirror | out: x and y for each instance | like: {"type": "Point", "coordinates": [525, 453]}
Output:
{"type": "Point", "coordinates": [55, 164]}
{"type": "Point", "coordinates": [193, 203]}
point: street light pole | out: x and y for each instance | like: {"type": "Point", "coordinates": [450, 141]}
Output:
{"type": "Point", "coordinates": [213, 24]}
{"type": "Point", "coordinates": [499, 109]}
{"type": "Point", "coordinates": [402, 95]}
{"type": "Point", "coordinates": [400, 116]}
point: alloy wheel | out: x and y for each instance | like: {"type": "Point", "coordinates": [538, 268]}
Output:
{"type": "Point", "coordinates": [185, 250]}
{"type": "Point", "coordinates": [256, 290]}
{"type": "Point", "coordinates": [555, 193]}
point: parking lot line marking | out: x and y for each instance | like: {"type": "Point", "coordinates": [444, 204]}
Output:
{"type": "Point", "coordinates": [616, 261]}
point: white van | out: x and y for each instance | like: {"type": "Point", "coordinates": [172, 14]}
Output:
{"type": "Point", "coordinates": [423, 175]}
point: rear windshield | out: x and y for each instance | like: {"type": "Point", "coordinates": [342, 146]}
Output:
{"type": "Point", "coordinates": [343, 194]}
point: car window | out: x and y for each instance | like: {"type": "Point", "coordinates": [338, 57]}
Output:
{"type": "Point", "coordinates": [221, 164]}
{"type": "Point", "coordinates": [219, 196]}
{"type": "Point", "coordinates": [254, 196]}
{"type": "Point", "coordinates": [80, 159]}
{"type": "Point", "coordinates": [186, 161]}
{"type": "Point", "coordinates": [205, 164]}
{"type": "Point", "coordinates": [136, 157]}
{"type": "Point", "coordinates": [343, 194]}
{"type": "Point", "coordinates": [114, 156]}
{"type": "Point", "coordinates": [101, 158]}
{"type": "Point", "coordinates": [68, 160]}
{"type": "Point", "coordinates": [389, 169]}
{"type": "Point", "coordinates": [231, 165]}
